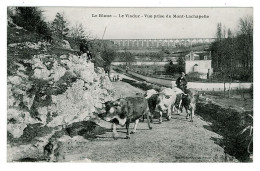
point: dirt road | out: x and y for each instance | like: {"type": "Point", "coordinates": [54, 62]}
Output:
{"type": "Point", "coordinates": [177, 140]}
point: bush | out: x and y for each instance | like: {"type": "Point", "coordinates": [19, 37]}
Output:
{"type": "Point", "coordinates": [171, 69]}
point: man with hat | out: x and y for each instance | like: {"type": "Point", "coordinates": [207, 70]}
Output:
{"type": "Point", "coordinates": [181, 82]}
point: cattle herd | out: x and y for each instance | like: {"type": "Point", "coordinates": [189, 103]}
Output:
{"type": "Point", "coordinates": [124, 111]}
{"type": "Point", "coordinates": [114, 77]}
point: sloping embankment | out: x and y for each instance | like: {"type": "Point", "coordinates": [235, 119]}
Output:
{"type": "Point", "coordinates": [228, 122]}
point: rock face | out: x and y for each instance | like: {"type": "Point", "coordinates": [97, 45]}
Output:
{"type": "Point", "coordinates": [58, 92]}
{"type": "Point", "coordinates": [54, 91]}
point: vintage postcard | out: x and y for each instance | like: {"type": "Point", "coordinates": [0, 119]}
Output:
{"type": "Point", "coordinates": [130, 84]}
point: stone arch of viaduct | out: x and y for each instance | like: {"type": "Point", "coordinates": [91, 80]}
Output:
{"type": "Point", "coordinates": [155, 43]}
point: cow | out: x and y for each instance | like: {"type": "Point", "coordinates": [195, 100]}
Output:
{"type": "Point", "coordinates": [189, 101]}
{"type": "Point", "coordinates": [112, 76]}
{"type": "Point", "coordinates": [151, 96]}
{"type": "Point", "coordinates": [125, 111]}
{"type": "Point", "coordinates": [166, 101]}
{"type": "Point", "coordinates": [178, 102]}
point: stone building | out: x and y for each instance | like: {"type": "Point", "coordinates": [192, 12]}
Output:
{"type": "Point", "coordinates": [198, 62]}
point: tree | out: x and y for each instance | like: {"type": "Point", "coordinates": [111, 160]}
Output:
{"type": "Point", "coordinates": [43, 28]}
{"type": "Point", "coordinates": [60, 26]}
{"type": "Point", "coordinates": [222, 54]}
{"type": "Point", "coordinates": [229, 33]}
{"type": "Point", "coordinates": [219, 31]}
{"type": "Point", "coordinates": [108, 55]}
{"type": "Point", "coordinates": [233, 56]}
{"type": "Point", "coordinates": [31, 19]}
{"type": "Point", "coordinates": [170, 68]}
{"type": "Point", "coordinates": [77, 32]}
{"type": "Point", "coordinates": [246, 25]}
{"type": "Point", "coordinates": [245, 35]}
{"type": "Point", "coordinates": [27, 17]}
{"type": "Point", "coordinates": [128, 57]}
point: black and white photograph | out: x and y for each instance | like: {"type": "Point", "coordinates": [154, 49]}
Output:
{"type": "Point", "coordinates": [129, 84]}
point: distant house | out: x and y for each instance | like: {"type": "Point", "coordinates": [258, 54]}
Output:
{"type": "Point", "coordinates": [172, 59]}
{"type": "Point", "coordinates": [192, 56]}
{"type": "Point", "coordinates": [199, 55]}
{"type": "Point", "coordinates": [199, 62]}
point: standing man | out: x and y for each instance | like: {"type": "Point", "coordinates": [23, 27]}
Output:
{"type": "Point", "coordinates": [89, 55]}
{"type": "Point", "coordinates": [181, 82]}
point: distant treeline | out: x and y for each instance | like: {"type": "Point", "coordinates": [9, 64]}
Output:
{"type": "Point", "coordinates": [232, 53]}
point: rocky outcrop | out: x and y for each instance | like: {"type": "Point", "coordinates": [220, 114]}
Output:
{"type": "Point", "coordinates": [58, 92]}
{"type": "Point", "coordinates": [51, 91]}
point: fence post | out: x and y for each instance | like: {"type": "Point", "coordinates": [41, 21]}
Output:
{"type": "Point", "coordinates": [173, 85]}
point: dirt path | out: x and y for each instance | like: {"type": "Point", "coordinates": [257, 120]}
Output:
{"type": "Point", "coordinates": [177, 140]}
{"type": "Point", "coordinates": [123, 89]}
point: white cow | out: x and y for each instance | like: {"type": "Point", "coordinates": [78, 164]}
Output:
{"type": "Point", "coordinates": [166, 102]}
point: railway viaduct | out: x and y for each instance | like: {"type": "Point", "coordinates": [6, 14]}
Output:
{"type": "Point", "coordinates": [156, 43]}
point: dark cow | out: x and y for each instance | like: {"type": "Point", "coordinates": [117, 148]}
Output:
{"type": "Point", "coordinates": [178, 103]}
{"type": "Point", "coordinates": [125, 111]}
{"type": "Point", "coordinates": [189, 101]}
{"type": "Point", "coordinates": [152, 101]}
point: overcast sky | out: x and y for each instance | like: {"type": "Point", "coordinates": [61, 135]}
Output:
{"type": "Point", "coordinates": [150, 28]}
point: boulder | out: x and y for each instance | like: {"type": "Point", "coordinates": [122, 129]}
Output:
{"type": "Point", "coordinates": [58, 72]}
{"type": "Point", "coordinates": [16, 80]}
{"type": "Point", "coordinates": [16, 129]}
{"type": "Point", "coordinates": [18, 121]}
{"type": "Point", "coordinates": [42, 74]}
{"type": "Point", "coordinates": [66, 44]}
